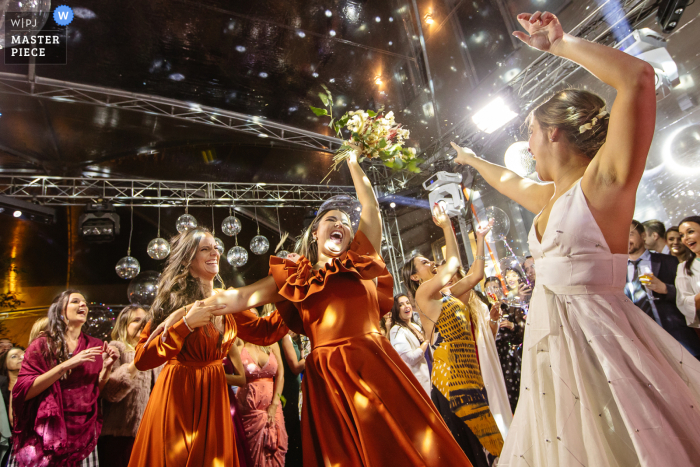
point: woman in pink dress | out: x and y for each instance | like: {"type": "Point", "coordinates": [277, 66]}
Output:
{"type": "Point", "coordinates": [259, 403]}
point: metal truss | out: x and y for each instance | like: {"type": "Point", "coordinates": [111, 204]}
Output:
{"type": "Point", "coordinates": [392, 247]}
{"type": "Point", "coordinates": [46, 88]}
{"type": "Point", "coordinates": [545, 73]}
{"type": "Point", "coordinates": [68, 191]}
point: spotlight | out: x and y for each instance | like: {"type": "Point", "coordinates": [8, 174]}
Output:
{"type": "Point", "coordinates": [445, 190]}
{"type": "Point", "coordinates": [428, 18]}
{"type": "Point", "coordinates": [99, 223]}
{"type": "Point", "coordinates": [647, 45]}
{"type": "Point", "coordinates": [25, 210]}
{"type": "Point", "coordinates": [669, 13]}
{"type": "Point", "coordinates": [494, 116]}
{"type": "Point", "coordinates": [392, 205]}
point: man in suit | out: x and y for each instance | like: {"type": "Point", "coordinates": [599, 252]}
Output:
{"type": "Point", "coordinates": [657, 297]}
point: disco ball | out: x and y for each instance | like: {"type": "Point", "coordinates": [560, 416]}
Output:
{"type": "Point", "coordinates": [143, 288]}
{"type": "Point", "coordinates": [282, 254]}
{"type": "Point", "coordinates": [100, 321]}
{"type": "Point", "coordinates": [237, 256]}
{"type": "Point", "coordinates": [186, 222]}
{"type": "Point", "coordinates": [259, 244]}
{"type": "Point", "coordinates": [158, 248]}
{"type": "Point", "coordinates": [31, 10]}
{"type": "Point", "coordinates": [231, 226]}
{"type": "Point", "coordinates": [501, 223]}
{"type": "Point", "coordinates": [219, 245]}
{"type": "Point", "coordinates": [519, 159]}
{"type": "Point", "coordinates": [128, 267]}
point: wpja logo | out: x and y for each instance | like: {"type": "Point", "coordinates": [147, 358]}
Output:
{"type": "Point", "coordinates": [31, 38]}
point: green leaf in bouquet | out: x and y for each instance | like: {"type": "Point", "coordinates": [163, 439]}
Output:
{"type": "Point", "coordinates": [398, 163]}
{"type": "Point", "coordinates": [389, 163]}
{"type": "Point", "coordinates": [318, 112]}
{"type": "Point", "coordinates": [361, 159]}
{"type": "Point", "coordinates": [371, 113]}
{"type": "Point", "coordinates": [384, 155]}
{"type": "Point", "coordinates": [324, 98]}
{"type": "Point", "coordinates": [343, 120]}
{"type": "Point", "coordinates": [382, 143]}
{"type": "Point", "coordinates": [413, 166]}
{"type": "Point", "coordinates": [330, 97]}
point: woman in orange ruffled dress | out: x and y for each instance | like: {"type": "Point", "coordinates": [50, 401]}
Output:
{"type": "Point", "coordinates": [362, 405]}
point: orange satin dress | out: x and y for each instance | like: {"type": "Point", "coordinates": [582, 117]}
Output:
{"type": "Point", "coordinates": [362, 405]}
{"type": "Point", "coordinates": [187, 422]}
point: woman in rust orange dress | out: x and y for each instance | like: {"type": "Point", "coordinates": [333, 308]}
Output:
{"type": "Point", "coordinates": [187, 421]}
{"type": "Point", "coordinates": [362, 405]}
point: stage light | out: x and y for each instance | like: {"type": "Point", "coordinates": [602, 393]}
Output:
{"type": "Point", "coordinates": [99, 223]}
{"type": "Point", "coordinates": [647, 45]}
{"type": "Point", "coordinates": [25, 210]}
{"type": "Point", "coordinates": [446, 191]}
{"type": "Point", "coordinates": [428, 18]}
{"type": "Point", "coordinates": [493, 116]}
{"type": "Point", "coordinates": [669, 13]}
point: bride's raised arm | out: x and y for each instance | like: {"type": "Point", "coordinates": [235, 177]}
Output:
{"type": "Point", "coordinates": [370, 217]}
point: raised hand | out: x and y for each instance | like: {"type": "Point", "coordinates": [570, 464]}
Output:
{"type": "Point", "coordinates": [109, 355]}
{"type": "Point", "coordinates": [440, 217]}
{"type": "Point", "coordinates": [482, 229]}
{"type": "Point", "coordinates": [496, 312]}
{"type": "Point", "coordinates": [544, 32]}
{"type": "Point", "coordinates": [464, 155]}
{"type": "Point", "coordinates": [84, 356]}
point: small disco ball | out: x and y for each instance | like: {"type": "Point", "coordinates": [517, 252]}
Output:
{"type": "Point", "coordinates": [501, 223]}
{"type": "Point", "coordinates": [158, 248]}
{"type": "Point", "coordinates": [259, 244]}
{"type": "Point", "coordinates": [100, 321]}
{"type": "Point", "coordinates": [282, 254]}
{"type": "Point", "coordinates": [237, 256]}
{"type": "Point", "coordinates": [128, 267]}
{"type": "Point", "coordinates": [231, 226]}
{"type": "Point", "coordinates": [36, 12]}
{"type": "Point", "coordinates": [219, 246]}
{"type": "Point", "coordinates": [519, 159]}
{"type": "Point", "coordinates": [186, 222]}
{"type": "Point", "coordinates": [143, 288]}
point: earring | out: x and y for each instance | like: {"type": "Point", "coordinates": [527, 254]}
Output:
{"type": "Point", "coordinates": [313, 239]}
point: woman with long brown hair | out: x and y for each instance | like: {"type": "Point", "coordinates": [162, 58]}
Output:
{"type": "Point", "coordinates": [602, 384]}
{"type": "Point", "coordinates": [458, 389]}
{"type": "Point", "coordinates": [57, 415]}
{"type": "Point", "coordinates": [408, 340]}
{"type": "Point", "coordinates": [187, 420]}
{"type": "Point", "coordinates": [362, 405]}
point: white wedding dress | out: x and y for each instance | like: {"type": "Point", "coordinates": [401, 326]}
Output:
{"type": "Point", "coordinates": [602, 384]}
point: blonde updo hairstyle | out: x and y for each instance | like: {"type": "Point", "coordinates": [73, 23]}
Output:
{"type": "Point", "coordinates": [569, 111]}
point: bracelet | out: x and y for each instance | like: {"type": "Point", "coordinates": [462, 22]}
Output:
{"type": "Point", "coordinates": [482, 258]}
{"type": "Point", "coordinates": [184, 320]}
{"type": "Point", "coordinates": [494, 322]}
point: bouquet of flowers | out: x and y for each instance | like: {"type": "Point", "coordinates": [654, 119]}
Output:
{"type": "Point", "coordinates": [375, 134]}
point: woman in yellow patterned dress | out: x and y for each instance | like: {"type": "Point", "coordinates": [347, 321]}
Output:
{"type": "Point", "coordinates": [458, 387]}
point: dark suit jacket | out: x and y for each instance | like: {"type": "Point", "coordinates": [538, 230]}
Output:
{"type": "Point", "coordinates": [664, 268]}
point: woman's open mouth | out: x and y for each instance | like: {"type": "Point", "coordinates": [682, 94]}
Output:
{"type": "Point", "coordinates": [337, 237]}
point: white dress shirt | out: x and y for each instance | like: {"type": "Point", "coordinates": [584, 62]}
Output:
{"type": "Point", "coordinates": [408, 348]}
{"type": "Point", "coordinates": [687, 287]}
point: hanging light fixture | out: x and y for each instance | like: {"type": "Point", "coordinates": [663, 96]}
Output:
{"type": "Point", "coordinates": [281, 253]}
{"type": "Point", "coordinates": [231, 225]}
{"type": "Point", "coordinates": [219, 243]}
{"type": "Point", "coordinates": [128, 267]}
{"type": "Point", "coordinates": [186, 221]}
{"type": "Point", "coordinates": [259, 244]}
{"type": "Point", "coordinates": [158, 248]}
{"type": "Point", "coordinates": [237, 256]}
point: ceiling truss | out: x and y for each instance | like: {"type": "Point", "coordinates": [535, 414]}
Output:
{"type": "Point", "coordinates": [46, 88]}
{"type": "Point", "coordinates": [69, 191]}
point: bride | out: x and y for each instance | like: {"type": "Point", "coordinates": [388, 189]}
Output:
{"type": "Point", "coordinates": [602, 384]}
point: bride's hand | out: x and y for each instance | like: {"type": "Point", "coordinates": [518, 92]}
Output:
{"type": "Point", "coordinates": [355, 152]}
{"type": "Point", "coordinates": [544, 32]}
{"type": "Point", "coordinates": [465, 156]}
